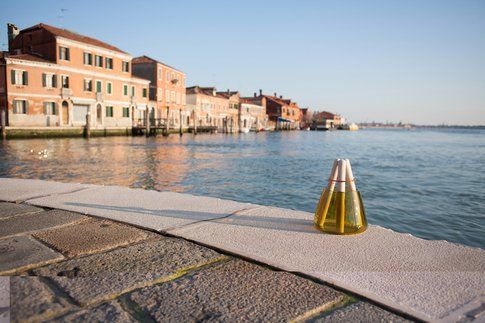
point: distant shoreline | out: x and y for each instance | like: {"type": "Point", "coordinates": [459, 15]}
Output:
{"type": "Point", "coordinates": [367, 126]}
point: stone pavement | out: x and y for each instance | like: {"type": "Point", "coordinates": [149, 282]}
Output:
{"type": "Point", "coordinates": [62, 266]}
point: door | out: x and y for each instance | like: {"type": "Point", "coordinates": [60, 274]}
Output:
{"type": "Point", "coordinates": [99, 114]}
{"type": "Point", "coordinates": [79, 114]}
{"type": "Point", "coordinates": [65, 113]}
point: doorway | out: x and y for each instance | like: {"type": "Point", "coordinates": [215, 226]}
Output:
{"type": "Point", "coordinates": [65, 113]}
{"type": "Point", "coordinates": [99, 114]}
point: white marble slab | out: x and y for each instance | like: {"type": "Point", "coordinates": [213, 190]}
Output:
{"type": "Point", "coordinates": [148, 209]}
{"type": "Point", "coordinates": [431, 280]}
{"type": "Point", "coordinates": [19, 190]}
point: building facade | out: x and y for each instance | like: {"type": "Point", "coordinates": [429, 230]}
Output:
{"type": "Point", "coordinates": [282, 113]}
{"type": "Point", "coordinates": [214, 109]}
{"type": "Point", "coordinates": [167, 91]}
{"type": "Point", "coordinates": [252, 117]}
{"type": "Point", "coordinates": [53, 77]}
{"type": "Point", "coordinates": [326, 120]}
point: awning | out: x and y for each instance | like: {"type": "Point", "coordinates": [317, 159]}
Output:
{"type": "Point", "coordinates": [284, 120]}
{"type": "Point", "coordinates": [83, 101]}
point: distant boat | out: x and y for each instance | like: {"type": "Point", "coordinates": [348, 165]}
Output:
{"type": "Point", "coordinates": [351, 127]}
{"type": "Point", "coordinates": [245, 130]}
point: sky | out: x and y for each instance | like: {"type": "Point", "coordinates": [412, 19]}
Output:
{"type": "Point", "coordinates": [413, 61]}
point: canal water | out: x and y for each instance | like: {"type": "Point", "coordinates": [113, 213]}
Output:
{"type": "Point", "coordinates": [430, 183]}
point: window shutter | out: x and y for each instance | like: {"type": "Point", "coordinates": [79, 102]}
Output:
{"type": "Point", "coordinates": [67, 54]}
{"type": "Point", "coordinates": [45, 108]}
{"type": "Point", "coordinates": [54, 80]}
{"type": "Point", "coordinates": [44, 80]}
{"type": "Point", "coordinates": [12, 75]}
{"type": "Point", "coordinates": [26, 107]}
{"type": "Point", "coordinates": [25, 76]}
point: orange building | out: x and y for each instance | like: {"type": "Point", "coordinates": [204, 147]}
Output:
{"type": "Point", "coordinates": [53, 77]}
{"type": "Point", "coordinates": [283, 113]}
{"type": "Point", "coordinates": [214, 109]}
{"type": "Point", "coordinates": [167, 90]}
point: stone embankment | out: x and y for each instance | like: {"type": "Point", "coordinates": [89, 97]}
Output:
{"type": "Point", "coordinates": [87, 252]}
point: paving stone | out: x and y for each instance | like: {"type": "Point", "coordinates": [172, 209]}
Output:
{"type": "Point", "coordinates": [424, 278]}
{"type": "Point", "coordinates": [33, 300]}
{"type": "Point", "coordinates": [234, 291]}
{"type": "Point", "coordinates": [101, 276]}
{"type": "Point", "coordinates": [16, 189]}
{"type": "Point", "coordinates": [91, 236]}
{"type": "Point", "coordinates": [12, 209]}
{"type": "Point", "coordinates": [36, 221]}
{"type": "Point", "coordinates": [19, 253]}
{"type": "Point", "coordinates": [4, 299]}
{"type": "Point", "coordinates": [106, 312]}
{"type": "Point", "coordinates": [360, 312]}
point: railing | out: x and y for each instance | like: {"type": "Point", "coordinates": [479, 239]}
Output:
{"type": "Point", "coordinates": [154, 123]}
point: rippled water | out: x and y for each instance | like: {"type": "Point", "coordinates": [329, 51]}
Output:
{"type": "Point", "coordinates": [426, 182]}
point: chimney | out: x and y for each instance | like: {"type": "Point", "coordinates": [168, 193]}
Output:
{"type": "Point", "coordinates": [254, 94]}
{"type": "Point", "coordinates": [12, 32]}
{"type": "Point", "coordinates": [260, 92]}
{"type": "Point", "coordinates": [275, 95]}
{"type": "Point", "coordinates": [228, 92]}
{"type": "Point", "coordinates": [281, 97]}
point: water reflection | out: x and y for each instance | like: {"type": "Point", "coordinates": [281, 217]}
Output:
{"type": "Point", "coordinates": [418, 182]}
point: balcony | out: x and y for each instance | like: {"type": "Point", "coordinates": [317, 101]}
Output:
{"type": "Point", "coordinates": [66, 93]}
{"type": "Point", "coordinates": [175, 81]}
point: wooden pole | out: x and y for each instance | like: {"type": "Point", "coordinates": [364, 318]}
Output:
{"type": "Point", "coordinates": [88, 125]}
{"type": "Point", "coordinates": [147, 122]}
{"type": "Point", "coordinates": [180, 122]}
{"type": "Point", "coordinates": [167, 126]}
{"type": "Point", "coordinates": [4, 124]}
{"type": "Point", "coordinates": [195, 122]}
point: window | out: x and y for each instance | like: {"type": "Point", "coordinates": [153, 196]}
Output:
{"type": "Point", "coordinates": [20, 77]}
{"type": "Point", "coordinates": [172, 96]}
{"type": "Point", "coordinates": [125, 66]}
{"type": "Point", "coordinates": [65, 81]}
{"type": "Point", "coordinates": [64, 53]}
{"type": "Point", "coordinates": [132, 91]}
{"type": "Point", "coordinates": [98, 61]}
{"type": "Point", "coordinates": [99, 86]}
{"type": "Point", "coordinates": [125, 90]}
{"type": "Point", "coordinates": [167, 96]}
{"type": "Point", "coordinates": [109, 111]}
{"type": "Point", "coordinates": [167, 77]}
{"type": "Point", "coordinates": [109, 87]}
{"type": "Point", "coordinates": [159, 73]}
{"type": "Point", "coordinates": [109, 63]}
{"type": "Point", "coordinates": [88, 85]}
{"type": "Point", "coordinates": [159, 94]}
{"type": "Point", "coordinates": [144, 92]}
{"type": "Point", "coordinates": [126, 112]}
{"type": "Point", "coordinates": [49, 80]}
{"type": "Point", "coordinates": [50, 108]}
{"type": "Point", "coordinates": [88, 59]}
{"type": "Point", "coordinates": [20, 106]}
{"type": "Point", "coordinates": [178, 98]}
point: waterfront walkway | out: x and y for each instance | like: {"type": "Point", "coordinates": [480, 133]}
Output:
{"type": "Point", "coordinates": [111, 253]}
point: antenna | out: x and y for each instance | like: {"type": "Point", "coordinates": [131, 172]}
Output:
{"type": "Point", "coordinates": [61, 16]}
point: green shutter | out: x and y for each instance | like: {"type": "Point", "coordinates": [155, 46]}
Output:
{"type": "Point", "coordinates": [12, 76]}
{"type": "Point", "coordinates": [44, 80]}
{"type": "Point", "coordinates": [54, 80]}
{"type": "Point", "coordinates": [25, 77]}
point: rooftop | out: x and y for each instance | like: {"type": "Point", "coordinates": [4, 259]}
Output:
{"type": "Point", "coordinates": [73, 36]}
{"type": "Point", "coordinates": [145, 59]}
